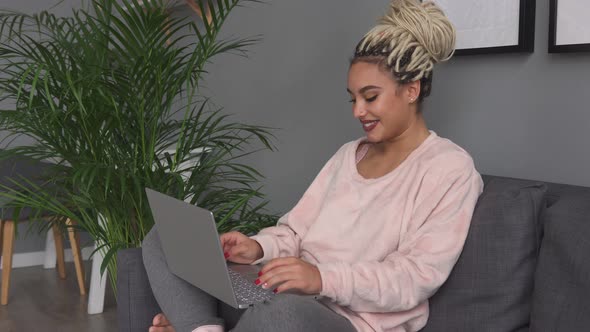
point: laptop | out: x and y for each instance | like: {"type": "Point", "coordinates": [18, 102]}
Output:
{"type": "Point", "coordinates": [193, 251]}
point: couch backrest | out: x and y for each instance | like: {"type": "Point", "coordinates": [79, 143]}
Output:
{"type": "Point", "coordinates": [524, 237]}
{"type": "Point", "coordinates": [561, 298]}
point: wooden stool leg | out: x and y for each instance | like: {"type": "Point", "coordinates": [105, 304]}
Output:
{"type": "Point", "coordinates": [7, 247]}
{"type": "Point", "coordinates": [75, 244]}
{"type": "Point", "coordinates": [59, 251]}
{"type": "Point", "coordinates": [1, 235]}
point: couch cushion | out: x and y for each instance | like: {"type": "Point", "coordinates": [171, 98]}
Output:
{"type": "Point", "coordinates": [562, 281]}
{"type": "Point", "coordinates": [14, 169]}
{"type": "Point", "coordinates": [491, 285]}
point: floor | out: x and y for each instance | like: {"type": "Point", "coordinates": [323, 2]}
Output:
{"type": "Point", "coordinates": [40, 301]}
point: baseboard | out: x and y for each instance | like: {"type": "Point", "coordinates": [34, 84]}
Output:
{"type": "Point", "coordinates": [27, 259]}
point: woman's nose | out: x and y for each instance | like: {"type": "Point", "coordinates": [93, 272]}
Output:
{"type": "Point", "coordinates": [358, 111]}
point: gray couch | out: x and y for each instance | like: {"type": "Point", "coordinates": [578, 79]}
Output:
{"type": "Point", "coordinates": [525, 266]}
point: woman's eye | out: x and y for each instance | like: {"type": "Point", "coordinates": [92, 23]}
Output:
{"type": "Point", "coordinates": [352, 101]}
{"type": "Point", "coordinates": [372, 99]}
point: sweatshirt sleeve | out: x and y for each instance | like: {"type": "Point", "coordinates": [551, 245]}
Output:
{"type": "Point", "coordinates": [426, 253]}
{"type": "Point", "coordinates": [284, 239]}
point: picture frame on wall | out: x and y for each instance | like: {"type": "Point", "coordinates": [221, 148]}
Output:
{"type": "Point", "coordinates": [487, 27]}
{"type": "Point", "coordinates": [569, 26]}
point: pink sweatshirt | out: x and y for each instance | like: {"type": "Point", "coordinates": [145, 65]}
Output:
{"type": "Point", "coordinates": [383, 246]}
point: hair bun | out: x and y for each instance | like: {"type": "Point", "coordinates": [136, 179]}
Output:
{"type": "Point", "coordinates": [426, 23]}
{"type": "Point", "coordinates": [413, 36]}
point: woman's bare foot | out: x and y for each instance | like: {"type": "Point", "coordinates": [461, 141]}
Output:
{"type": "Point", "coordinates": [161, 324]}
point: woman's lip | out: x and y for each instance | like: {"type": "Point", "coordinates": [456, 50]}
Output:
{"type": "Point", "coordinates": [369, 125]}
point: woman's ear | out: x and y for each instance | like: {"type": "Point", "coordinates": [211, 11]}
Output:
{"type": "Point", "coordinates": [413, 91]}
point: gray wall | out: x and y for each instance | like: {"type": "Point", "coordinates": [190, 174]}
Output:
{"type": "Point", "coordinates": [524, 115]}
{"type": "Point", "coordinates": [294, 80]}
{"type": "Point", "coordinates": [519, 115]}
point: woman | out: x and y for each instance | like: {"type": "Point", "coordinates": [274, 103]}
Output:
{"type": "Point", "coordinates": [381, 226]}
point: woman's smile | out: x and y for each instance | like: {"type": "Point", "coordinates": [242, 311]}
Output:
{"type": "Point", "coordinates": [369, 125]}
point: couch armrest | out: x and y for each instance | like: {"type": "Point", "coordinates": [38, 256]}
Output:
{"type": "Point", "coordinates": [136, 305]}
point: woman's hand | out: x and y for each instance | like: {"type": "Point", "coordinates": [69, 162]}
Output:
{"type": "Point", "coordinates": [239, 248]}
{"type": "Point", "coordinates": [287, 273]}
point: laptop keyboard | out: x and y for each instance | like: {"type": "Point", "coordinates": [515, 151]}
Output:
{"type": "Point", "coordinates": [246, 292]}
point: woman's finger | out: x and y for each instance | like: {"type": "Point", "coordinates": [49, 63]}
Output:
{"type": "Point", "coordinates": [277, 276]}
{"type": "Point", "coordinates": [237, 250]}
{"type": "Point", "coordinates": [228, 238]}
{"type": "Point", "coordinates": [288, 285]}
{"type": "Point", "coordinates": [238, 253]}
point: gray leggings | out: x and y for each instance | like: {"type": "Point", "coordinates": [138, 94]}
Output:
{"type": "Point", "coordinates": [188, 307]}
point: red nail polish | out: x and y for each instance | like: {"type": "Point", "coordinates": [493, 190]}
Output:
{"type": "Point", "coordinates": [275, 291]}
{"type": "Point", "coordinates": [226, 254]}
{"type": "Point", "coordinates": [257, 281]}
{"type": "Point", "coordinates": [260, 274]}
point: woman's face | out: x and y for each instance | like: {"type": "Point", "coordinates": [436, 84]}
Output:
{"type": "Point", "coordinates": [385, 109]}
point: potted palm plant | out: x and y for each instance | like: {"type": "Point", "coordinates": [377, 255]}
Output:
{"type": "Point", "coordinates": [111, 95]}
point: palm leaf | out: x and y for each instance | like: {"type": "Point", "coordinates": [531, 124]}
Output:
{"type": "Point", "coordinates": [104, 92]}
